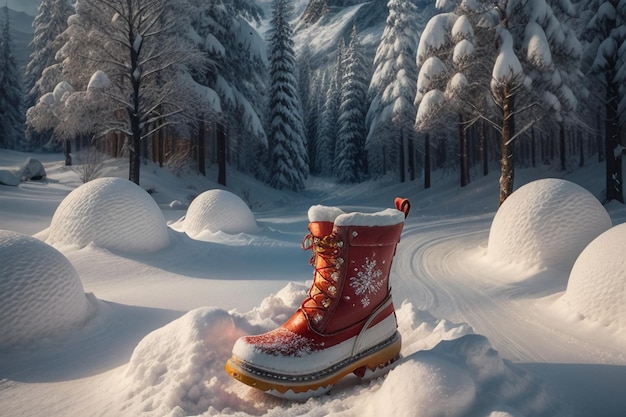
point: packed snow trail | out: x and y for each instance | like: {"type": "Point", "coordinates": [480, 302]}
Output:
{"type": "Point", "coordinates": [443, 264]}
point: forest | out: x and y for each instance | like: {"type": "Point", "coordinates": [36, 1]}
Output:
{"type": "Point", "coordinates": [458, 86]}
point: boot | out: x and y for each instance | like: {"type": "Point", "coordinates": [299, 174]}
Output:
{"type": "Point", "coordinates": [347, 324]}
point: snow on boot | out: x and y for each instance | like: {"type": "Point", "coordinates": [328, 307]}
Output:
{"type": "Point", "coordinates": [347, 324]}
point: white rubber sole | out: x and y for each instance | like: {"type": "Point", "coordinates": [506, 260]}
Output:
{"type": "Point", "coordinates": [369, 364]}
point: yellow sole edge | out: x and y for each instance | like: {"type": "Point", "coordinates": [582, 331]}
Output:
{"type": "Point", "coordinates": [295, 389]}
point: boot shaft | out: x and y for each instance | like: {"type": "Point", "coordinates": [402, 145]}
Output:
{"type": "Point", "coordinates": [352, 259]}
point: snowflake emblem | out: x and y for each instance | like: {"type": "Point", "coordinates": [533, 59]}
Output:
{"type": "Point", "coordinates": [368, 281]}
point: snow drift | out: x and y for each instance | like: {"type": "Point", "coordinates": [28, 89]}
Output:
{"type": "Point", "coordinates": [447, 370]}
{"type": "Point", "coordinates": [41, 295]}
{"type": "Point", "coordinates": [597, 283]}
{"type": "Point", "coordinates": [546, 223]}
{"type": "Point", "coordinates": [112, 213]}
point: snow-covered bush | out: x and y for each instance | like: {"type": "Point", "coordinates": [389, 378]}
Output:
{"type": "Point", "coordinates": [112, 213]}
{"type": "Point", "coordinates": [597, 283]}
{"type": "Point", "coordinates": [41, 295]}
{"type": "Point", "coordinates": [218, 211]}
{"type": "Point", "coordinates": [546, 223]}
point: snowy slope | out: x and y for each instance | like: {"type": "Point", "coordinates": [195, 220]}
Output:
{"type": "Point", "coordinates": [480, 338]}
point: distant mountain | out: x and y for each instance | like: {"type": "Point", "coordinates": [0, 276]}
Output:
{"type": "Point", "coordinates": [324, 22]}
{"type": "Point", "coordinates": [21, 25]}
{"type": "Point", "coordinates": [29, 6]}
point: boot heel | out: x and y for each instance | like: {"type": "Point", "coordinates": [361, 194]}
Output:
{"type": "Point", "coordinates": [381, 362]}
{"type": "Point", "coordinates": [364, 373]}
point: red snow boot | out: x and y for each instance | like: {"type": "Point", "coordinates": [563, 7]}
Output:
{"type": "Point", "coordinates": [347, 324]}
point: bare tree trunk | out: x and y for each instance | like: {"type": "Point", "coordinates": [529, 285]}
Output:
{"type": "Point", "coordinates": [463, 153]}
{"type": "Point", "coordinates": [401, 157]}
{"type": "Point", "coordinates": [533, 150]}
{"type": "Point", "coordinates": [484, 149]}
{"type": "Point", "coordinates": [562, 149]}
{"type": "Point", "coordinates": [427, 161]}
{"type": "Point", "coordinates": [411, 153]}
{"type": "Point", "coordinates": [67, 151]}
{"type": "Point", "coordinates": [201, 142]}
{"type": "Point", "coordinates": [613, 156]}
{"type": "Point", "coordinates": [507, 172]}
{"type": "Point", "coordinates": [599, 138]}
{"type": "Point", "coordinates": [221, 154]}
{"type": "Point", "coordinates": [581, 145]}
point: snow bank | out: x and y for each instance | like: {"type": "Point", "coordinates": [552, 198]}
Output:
{"type": "Point", "coordinates": [112, 213]}
{"type": "Point", "coordinates": [177, 370]}
{"type": "Point", "coordinates": [180, 366]}
{"type": "Point", "coordinates": [218, 211]}
{"type": "Point", "coordinates": [597, 283]}
{"type": "Point", "coordinates": [41, 295]}
{"type": "Point", "coordinates": [546, 223]}
{"type": "Point", "coordinates": [427, 385]}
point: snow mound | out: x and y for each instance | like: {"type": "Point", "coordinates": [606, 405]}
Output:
{"type": "Point", "coordinates": [41, 295]}
{"type": "Point", "coordinates": [597, 283]}
{"type": "Point", "coordinates": [428, 385]}
{"type": "Point", "coordinates": [546, 223]}
{"type": "Point", "coordinates": [180, 366]}
{"type": "Point", "coordinates": [464, 376]}
{"type": "Point", "coordinates": [218, 211]}
{"type": "Point", "coordinates": [112, 213]}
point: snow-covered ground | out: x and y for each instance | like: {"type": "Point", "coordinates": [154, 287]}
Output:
{"type": "Point", "coordinates": [481, 337]}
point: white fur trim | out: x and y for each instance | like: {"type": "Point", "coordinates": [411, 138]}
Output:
{"type": "Point", "coordinates": [387, 217]}
{"type": "Point", "coordinates": [324, 214]}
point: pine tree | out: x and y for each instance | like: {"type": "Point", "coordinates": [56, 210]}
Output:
{"type": "Point", "coordinates": [533, 71]}
{"type": "Point", "coordinates": [605, 34]}
{"type": "Point", "coordinates": [50, 22]}
{"type": "Point", "coordinates": [287, 147]}
{"type": "Point", "coordinates": [309, 84]}
{"type": "Point", "coordinates": [11, 95]}
{"type": "Point", "coordinates": [236, 71]}
{"type": "Point", "coordinates": [350, 161]}
{"type": "Point", "coordinates": [328, 122]}
{"type": "Point", "coordinates": [392, 89]}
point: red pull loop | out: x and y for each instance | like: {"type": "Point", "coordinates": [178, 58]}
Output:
{"type": "Point", "coordinates": [404, 205]}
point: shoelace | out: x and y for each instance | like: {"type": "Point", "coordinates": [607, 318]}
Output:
{"type": "Point", "coordinates": [326, 276]}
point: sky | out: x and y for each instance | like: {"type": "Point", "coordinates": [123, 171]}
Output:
{"type": "Point", "coordinates": [158, 315]}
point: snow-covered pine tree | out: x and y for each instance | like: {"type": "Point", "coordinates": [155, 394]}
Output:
{"type": "Point", "coordinates": [391, 114]}
{"type": "Point", "coordinates": [350, 159]}
{"type": "Point", "coordinates": [288, 157]}
{"type": "Point", "coordinates": [605, 35]}
{"type": "Point", "coordinates": [528, 35]}
{"type": "Point", "coordinates": [236, 71]}
{"type": "Point", "coordinates": [309, 98]}
{"type": "Point", "coordinates": [328, 122]}
{"type": "Point", "coordinates": [11, 95]}
{"type": "Point", "coordinates": [49, 25]}
{"type": "Point", "coordinates": [50, 22]}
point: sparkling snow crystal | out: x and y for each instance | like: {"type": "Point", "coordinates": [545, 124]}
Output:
{"type": "Point", "coordinates": [547, 223]}
{"type": "Point", "coordinates": [113, 213]}
{"type": "Point", "coordinates": [41, 295]}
